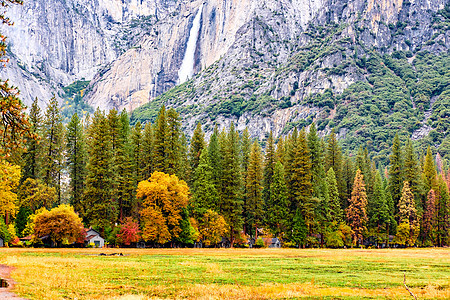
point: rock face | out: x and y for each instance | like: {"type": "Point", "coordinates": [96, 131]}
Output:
{"type": "Point", "coordinates": [250, 52]}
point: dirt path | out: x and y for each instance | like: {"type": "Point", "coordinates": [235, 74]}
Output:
{"type": "Point", "coordinates": [6, 293]}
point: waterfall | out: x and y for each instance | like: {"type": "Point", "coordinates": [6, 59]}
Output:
{"type": "Point", "coordinates": [187, 67]}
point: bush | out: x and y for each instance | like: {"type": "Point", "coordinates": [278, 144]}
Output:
{"type": "Point", "coordinates": [259, 243]}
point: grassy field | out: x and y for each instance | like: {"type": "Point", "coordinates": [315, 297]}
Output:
{"type": "Point", "coordinates": [229, 273]}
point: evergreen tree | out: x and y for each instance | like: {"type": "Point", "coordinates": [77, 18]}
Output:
{"type": "Point", "coordinates": [33, 147]}
{"type": "Point", "coordinates": [204, 195]}
{"type": "Point", "coordinates": [396, 171]}
{"type": "Point", "coordinates": [124, 172]}
{"type": "Point", "coordinates": [300, 181]}
{"type": "Point", "coordinates": [148, 151]}
{"type": "Point", "coordinates": [277, 208]}
{"type": "Point", "coordinates": [184, 170]}
{"type": "Point", "coordinates": [246, 145]}
{"type": "Point", "coordinates": [197, 146]}
{"type": "Point", "coordinates": [335, 209]}
{"type": "Point", "coordinates": [173, 143]}
{"type": "Point", "coordinates": [215, 158]}
{"type": "Point", "coordinates": [231, 192]}
{"type": "Point", "coordinates": [53, 147]}
{"type": "Point", "coordinates": [348, 177]}
{"type": "Point", "coordinates": [269, 167]}
{"type": "Point", "coordinates": [100, 210]}
{"type": "Point", "coordinates": [137, 153]}
{"type": "Point", "coordinates": [76, 161]}
{"type": "Point", "coordinates": [429, 172]}
{"type": "Point", "coordinates": [412, 172]}
{"type": "Point", "coordinates": [299, 229]}
{"type": "Point", "coordinates": [356, 211]}
{"type": "Point", "coordinates": [280, 152]}
{"type": "Point", "coordinates": [443, 214]}
{"type": "Point", "coordinates": [378, 210]}
{"type": "Point", "coordinates": [160, 144]}
{"type": "Point", "coordinates": [254, 187]}
{"type": "Point", "coordinates": [333, 159]}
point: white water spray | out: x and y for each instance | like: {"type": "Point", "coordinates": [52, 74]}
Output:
{"type": "Point", "coordinates": [187, 67]}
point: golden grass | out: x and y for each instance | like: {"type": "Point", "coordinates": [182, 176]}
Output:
{"type": "Point", "coordinates": [229, 273]}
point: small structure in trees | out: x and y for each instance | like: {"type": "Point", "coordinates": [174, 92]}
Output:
{"type": "Point", "coordinates": [93, 237]}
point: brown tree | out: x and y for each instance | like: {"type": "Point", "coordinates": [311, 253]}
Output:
{"type": "Point", "coordinates": [407, 213]}
{"type": "Point", "coordinates": [356, 211]}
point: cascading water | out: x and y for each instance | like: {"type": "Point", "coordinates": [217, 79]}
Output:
{"type": "Point", "coordinates": [187, 66]}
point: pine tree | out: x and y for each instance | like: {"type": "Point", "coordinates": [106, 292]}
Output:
{"type": "Point", "coordinates": [33, 152]}
{"type": "Point", "coordinates": [407, 213]}
{"type": "Point", "coordinates": [269, 167]}
{"type": "Point", "coordinates": [137, 153]}
{"type": "Point", "coordinates": [99, 210]}
{"type": "Point", "coordinates": [148, 151]}
{"type": "Point", "coordinates": [335, 209]}
{"type": "Point", "coordinates": [277, 207]}
{"type": "Point", "coordinates": [254, 186]}
{"type": "Point", "coordinates": [197, 146]}
{"type": "Point", "coordinates": [300, 181]}
{"type": "Point", "coordinates": [348, 177]}
{"type": "Point", "coordinates": [160, 144]}
{"type": "Point", "coordinates": [333, 159]}
{"type": "Point", "coordinates": [52, 147]}
{"type": "Point", "coordinates": [299, 229]}
{"type": "Point", "coordinates": [124, 172]}
{"type": "Point", "coordinates": [396, 171]}
{"type": "Point", "coordinates": [173, 143]}
{"type": "Point", "coordinates": [76, 161]}
{"type": "Point", "coordinates": [443, 214]}
{"type": "Point", "coordinates": [412, 173]}
{"type": "Point", "coordinates": [378, 210]}
{"type": "Point", "coordinates": [231, 192]}
{"type": "Point", "coordinates": [356, 211]}
{"type": "Point", "coordinates": [429, 172]}
{"type": "Point", "coordinates": [204, 195]}
{"type": "Point", "coordinates": [280, 152]}
{"type": "Point", "coordinates": [215, 158]}
{"type": "Point", "coordinates": [246, 145]}
{"type": "Point", "coordinates": [184, 169]}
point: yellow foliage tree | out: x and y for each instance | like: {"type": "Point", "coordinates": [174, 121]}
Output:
{"type": "Point", "coordinates": [61, 223]}
{"type": "Point", "coordinates": [163, 199]}
{"type": "Point", "coordinates": [212, 227]}
{"type": "Point", "coordinates": [9, 179]}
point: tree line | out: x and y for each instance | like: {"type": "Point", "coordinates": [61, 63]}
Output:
{"type": "Point", "coordinates": [151, 182]}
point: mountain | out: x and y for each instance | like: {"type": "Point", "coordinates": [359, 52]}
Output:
{"type": "Point", "coordinates": [367, 68]}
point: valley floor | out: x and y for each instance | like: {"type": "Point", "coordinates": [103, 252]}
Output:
{"type": "Point", "coordinates": [229, 273]}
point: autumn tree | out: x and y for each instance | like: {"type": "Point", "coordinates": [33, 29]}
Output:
{"type": "Point", "coordinates": [163, 199]}
{"type": "Point", "coordinates": [61, 223]}
{"type": "Point", "coordinates": [34, 194]}
{"type": "Point", "coordinates": [407, 214]}
{"type": "Point", "coordinates": [9, 179]}
{"type": "Point", "coordinates": [429, 219]}
{"type": "Point", "coordinates": [129, 232]}
{"type": "Point", "coordinates": [212, 227]}
{"type": "Point", "coordinates": [356, 211]}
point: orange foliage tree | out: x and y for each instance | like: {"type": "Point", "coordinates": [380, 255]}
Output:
{"type": "Point", "coordinates": [129, 232]}
{"type": "Point", "coordinates": [163, 199]}
{"type": "Point", "coordinates": [61, 223]}
{"type": "Point", "coordinates": [356, 211]}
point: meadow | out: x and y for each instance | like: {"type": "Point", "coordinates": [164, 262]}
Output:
{"type": "Point", "coordinates": [229, 273]}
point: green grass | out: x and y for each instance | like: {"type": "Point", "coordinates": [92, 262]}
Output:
{"type": "Point", "coordinates": [263, 274]}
